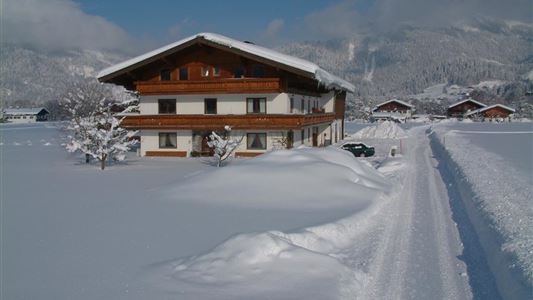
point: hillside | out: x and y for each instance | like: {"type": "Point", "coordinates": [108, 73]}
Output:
{"type": "Point", "coordinates": [35, 77]}
{"type": "Point", "coordinates": [430, 67]}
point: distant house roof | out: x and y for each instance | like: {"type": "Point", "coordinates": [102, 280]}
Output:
{"type": "Point", "coordinates": [488, 108]}
{"type": "Point", "coordinates": [313, 70]}
{"type": "Point", "coordinates": [467, 100]}
{"type": "Point", "coordinates": [25, 111]}
{"type": "Point", "coordinates": [394, 100]}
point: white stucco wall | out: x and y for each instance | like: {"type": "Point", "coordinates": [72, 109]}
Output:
{"type": "Point", "coordinates": [226, 103]}
{"type": "Point", "coordinates": [21, 119]}
{"type": "Point", "coordinates": [150, 141]}
{"type": "Point", "coordinates": [236, 103]}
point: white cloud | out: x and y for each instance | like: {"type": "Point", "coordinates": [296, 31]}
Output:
{"type": "Point", "coordinates": [274, 27]}
{"type": "Point", "coordinates": [343, 18]}
{"type": "Point", "coordinates": [60, 25]}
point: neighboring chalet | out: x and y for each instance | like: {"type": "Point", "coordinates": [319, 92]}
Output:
{"type": "Point", "coordinates": [392, 109]}
{"type": "Point", "coordinates": [207, 81]}
{"type": "Point", "coordinates": [25, 115]}
{"type": "Point", "coordinates": [496, 111]}
{"type": "Point", "coordinates": [461, 108]}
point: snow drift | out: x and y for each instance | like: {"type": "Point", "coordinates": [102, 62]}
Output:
{"type": "Point", "coordinates": [300, 179]}
{"type": "Point", "coordinates": [276, 265]}
{"type": "Point", "coordinates": [384, 130]}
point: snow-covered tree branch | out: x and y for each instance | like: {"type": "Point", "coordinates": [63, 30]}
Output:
{"type": "Point", "coordinates": [223, 146]}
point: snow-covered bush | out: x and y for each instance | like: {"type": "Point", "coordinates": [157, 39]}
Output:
{"type": "Point", "coordinates": [223, 146]}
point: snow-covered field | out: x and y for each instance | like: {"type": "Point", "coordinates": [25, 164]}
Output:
{"type": "Point", "coordinates": [492, 168]}
{"type": "Point", "coordinates": [299, 224]}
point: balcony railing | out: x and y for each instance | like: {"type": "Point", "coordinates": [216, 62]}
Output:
{"type": "Point", "coordinates": [223, 86]}
{"type": "Point", "coordinates": [216, 122]}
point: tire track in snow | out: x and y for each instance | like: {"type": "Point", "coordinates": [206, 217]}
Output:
{"type": "Point", "coordinates": [417, 256]}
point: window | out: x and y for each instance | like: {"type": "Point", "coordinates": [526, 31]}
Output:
{"type": "Point", "coordinates": [164, 75]}
{"type": "Point", "coordinates": [258, 71]}
{"type": "Point", "coordinates": [308, 106]}
{"type": "Point", "coordinates": [239, 72]}
{"type": "Point", "coordinates": [302, 136]}
{"type": "Point", "coordinates": [167, 106]}
{"type": "Point", "coordinates": [216, 71]}
{"type": "Point", "coordinates": [302, 106]}
{"type": "Point", "coordinates": [210, 106]}
{"type": "Point", "coordinates": [256, 141]}
{"type": "Point", "coordinates": [256, 105]}
{"type": "Point", "coordinates": [308, 134]}
{"type": "Point", "coordinates": [184, 74]}
{"type": "Point", "coordinates": [168, 140]}
{"type": "Point", "coordinates": [205, 71]}
{"type": "Point", "coordinates": [291, 109]}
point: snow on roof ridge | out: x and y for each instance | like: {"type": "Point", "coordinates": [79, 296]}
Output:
{"type": "Point", "coordinates": [489, 107]}
{"type": "Point", "coordinates": [465, 100]}
{"type": "Point", "coordinates": [321, 75]}
{"type": "Point", "coordinates": [395, 100]}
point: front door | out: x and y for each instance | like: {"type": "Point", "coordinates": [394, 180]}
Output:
{"type": "Point", "coordinates": [205, 149]}
{"type": "Point", "coordinates": [315, 136]}
{"type": "Point", "coordinates": [290, 139]}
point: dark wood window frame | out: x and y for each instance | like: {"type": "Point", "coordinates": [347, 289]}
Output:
{"type": "Point", "coordinates": [291, 105]}
{"type": "Point", "coordinates": [164, 106]}
{"type": "Point", "coordinates": [256, 104]}
{"type": "Point", "coordinates": [239, 72]}
{"type": "Point", "coordinates": [216, 71]}
{"type": "Point", "coordinates": [256, 148]}
{"type": "Point", "coordinates": [207, 109]}
{"type": "Point", "coordinates": [258, 71]}
{"type": "Point", "coordinates": [205, 71]}
{"type": "Point", "coordinates": [165, 75]}
{"type": "Point", "coordinates": [167, 139]}
{"type": "Point", "coordinates": [184, 73]}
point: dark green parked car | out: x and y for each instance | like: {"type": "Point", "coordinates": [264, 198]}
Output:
{"type": "Point", "coordinates": [359, 149]}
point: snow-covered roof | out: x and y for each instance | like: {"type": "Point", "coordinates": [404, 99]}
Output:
{"type": "Point", "coordinates": [322, 76]}
{"type": "Point", "coordinates": [24, 111]}
{"type": "Point", "coordinates": [489, 107]}
{"type": "Point", "coordinates": [467, 100]}
{"type": "Point", "coordinates": [394, 100]}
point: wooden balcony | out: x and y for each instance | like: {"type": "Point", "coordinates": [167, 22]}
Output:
{"type": "Point", "coordinates": [219, 86]}
{"type": "Point", "coordinates": [217, 122]}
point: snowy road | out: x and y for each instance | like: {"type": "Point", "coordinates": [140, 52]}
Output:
{"type": "Point", "coordinates": [417, 254]}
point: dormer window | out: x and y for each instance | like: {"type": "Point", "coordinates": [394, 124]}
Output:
{"type": "Point", "coordinates": [205, 71]}
{"type": "Point", "coordinates": [216, 71]}
{"type": "Point", "coordinates": [259, 71]}
{"type": "Point", "coordinates": [239, 72]}
{"type": "Point", "coordinates": [164, 75]}
{"type": "Point", "coordinates": [184, 73]}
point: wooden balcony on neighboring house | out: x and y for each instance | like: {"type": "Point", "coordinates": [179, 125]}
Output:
{"type": "Point", "coordinates": [216, 122]}
{"type": "Point", "coordinates": [219, 86]}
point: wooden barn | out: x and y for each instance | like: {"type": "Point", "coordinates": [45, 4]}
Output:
{"type": "Point", "coordinates": [496, 111]}
{"type": "Point", "coordinates": [461, 108]}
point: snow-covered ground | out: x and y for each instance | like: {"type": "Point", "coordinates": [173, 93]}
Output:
{"type": "Point", "coordinates": [299, 224]}
{"type": "Point", "coordinates": [491, 166]}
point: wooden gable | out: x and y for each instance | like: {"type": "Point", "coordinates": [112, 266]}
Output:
{"type": "Point", "coordinates": [202, 55]}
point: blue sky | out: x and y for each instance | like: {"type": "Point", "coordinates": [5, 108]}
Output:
{"type": "Point", "coordinates": [168, 19]}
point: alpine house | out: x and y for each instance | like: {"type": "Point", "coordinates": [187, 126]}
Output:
{"type": "Point", "coordinates": [208, 81]}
